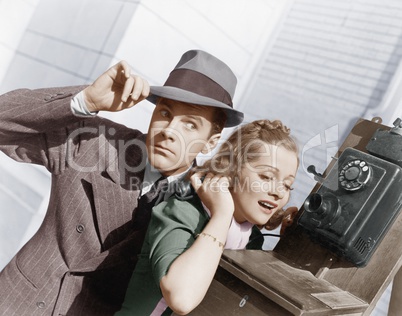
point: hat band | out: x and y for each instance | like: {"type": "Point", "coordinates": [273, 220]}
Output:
{"type": "Point", "coordinates": [198, 83]}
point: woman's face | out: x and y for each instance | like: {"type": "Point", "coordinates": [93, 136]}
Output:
{"type": "Point", "coordinates": [264, 185]}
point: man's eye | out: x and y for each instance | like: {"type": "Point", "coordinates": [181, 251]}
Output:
{"type": "Point", "coordinates": [190, 126]}
{"type": "Point", "coordinates": [164, 113]}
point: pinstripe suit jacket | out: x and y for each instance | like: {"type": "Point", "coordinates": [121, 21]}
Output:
{"type": "Point", "coordinates": [80, 260]}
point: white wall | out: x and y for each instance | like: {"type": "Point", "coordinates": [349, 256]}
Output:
{"type": "Point", "coordinates": [235, 31]}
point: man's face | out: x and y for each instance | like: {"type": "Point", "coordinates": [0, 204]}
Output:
{"type": "Point", "coordinates": [178, 132]}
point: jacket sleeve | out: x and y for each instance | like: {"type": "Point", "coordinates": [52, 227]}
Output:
{"type": "Point", "coordinates": [35, 124]}
{"type": "Point", "coordinates": [172, 231]}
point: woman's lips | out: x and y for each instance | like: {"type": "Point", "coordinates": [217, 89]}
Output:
{"type": "Point", "coordinates": [267, 206]}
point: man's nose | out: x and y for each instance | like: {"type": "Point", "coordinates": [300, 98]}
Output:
{"type": "Point", "coordinates": [170, 131]}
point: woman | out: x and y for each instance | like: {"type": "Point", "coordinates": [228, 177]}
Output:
{"type": "Point", "coordinates": [246, 182]}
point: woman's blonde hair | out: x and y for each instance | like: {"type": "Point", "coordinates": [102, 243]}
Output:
{"type": "Point", "coordinates": [247, 140]}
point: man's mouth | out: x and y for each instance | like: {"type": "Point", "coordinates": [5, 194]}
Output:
{"type": "Point", "coordinates": [163, 149]}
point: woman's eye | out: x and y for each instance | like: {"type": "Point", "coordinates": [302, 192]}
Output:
{"type": "Point", "coordinates": [266, 177]}
{"type": "Point", "coordinates": [288, 187]}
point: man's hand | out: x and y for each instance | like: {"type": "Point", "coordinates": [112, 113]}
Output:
{"type": "Point", "coordinates": [116, 90]}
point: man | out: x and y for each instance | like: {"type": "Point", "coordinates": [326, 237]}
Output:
{"type": "Point", "coordinates": [80, 260]}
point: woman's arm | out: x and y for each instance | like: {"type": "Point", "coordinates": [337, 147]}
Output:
{"type": "Point", "coordinates": [190, 275]}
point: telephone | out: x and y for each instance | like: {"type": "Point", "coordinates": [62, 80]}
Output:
{"type": "Point", "coordinates": [359, 199]}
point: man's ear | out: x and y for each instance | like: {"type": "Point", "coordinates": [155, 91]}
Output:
{"type": "Point", "coordinates": [211, 143]}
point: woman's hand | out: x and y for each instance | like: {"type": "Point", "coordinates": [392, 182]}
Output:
{"type": "Point", "coordinates": [214, 193]}
{"type": "Point", "coordinates": [191, 273]}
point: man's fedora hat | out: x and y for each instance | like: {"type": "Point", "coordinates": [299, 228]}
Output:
{"type": "Point", "coordinates": [202, 79]}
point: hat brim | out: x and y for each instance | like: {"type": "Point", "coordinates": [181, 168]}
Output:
{"type": "Point", "coordinates": [234, 117]}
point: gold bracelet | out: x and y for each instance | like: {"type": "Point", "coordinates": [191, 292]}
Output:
{"type": "Point", "coordinates": [222, 245]}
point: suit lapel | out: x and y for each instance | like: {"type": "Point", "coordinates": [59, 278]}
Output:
{"type": "Point", "coordinates": [114, 206]}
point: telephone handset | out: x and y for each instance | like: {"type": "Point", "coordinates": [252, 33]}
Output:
{"type": "Point", "coordinates": [359, 199]}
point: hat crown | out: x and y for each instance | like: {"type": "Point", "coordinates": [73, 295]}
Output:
{"type": "Point", "coordinates": [201, 79]}
{"type": "Point", "coordinates": [210, 66]}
